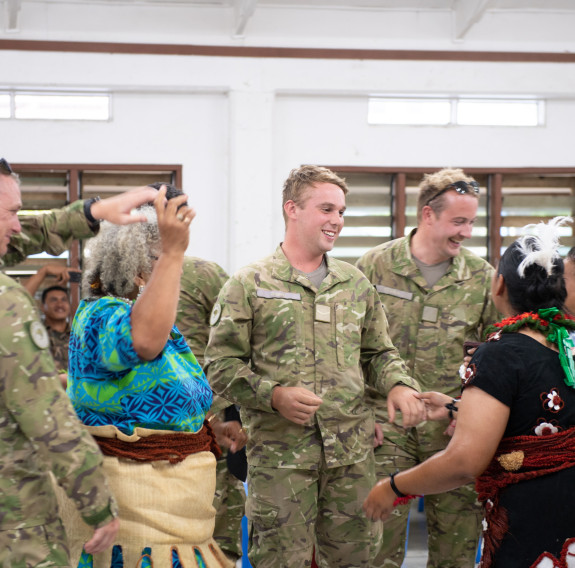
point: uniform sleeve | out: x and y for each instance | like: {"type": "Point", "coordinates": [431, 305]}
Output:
{"type": "Point", "coordinates": [51, 233]}
{"type": "Point", "coordinates": [200, 285]}
{"type": "Point", "coordinates": [228, 354]}
{"type": "Point", "coordinates": [43, 414]}
{"type": "Point", "coordinates": [383, 367]}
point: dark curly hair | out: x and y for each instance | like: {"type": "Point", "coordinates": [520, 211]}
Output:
{"type": "Point", "coordinates": [536, 289]}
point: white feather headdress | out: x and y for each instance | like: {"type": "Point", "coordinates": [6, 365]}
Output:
{"type": "Point", "coordinates": [540, 246]}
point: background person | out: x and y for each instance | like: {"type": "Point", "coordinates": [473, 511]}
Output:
{"type": "Point", "coordinates": [436, 295]}
{"type": "Point", "coordinates": [55, 307]}
{"type": "Point", "coordinates": [139, 390]}
{"type": "Point", "coordinates": [515, 429]}
{"type": "Point", "coordinates": [200, 285]}
{"type": "Point", "coordinates": [295, 339]}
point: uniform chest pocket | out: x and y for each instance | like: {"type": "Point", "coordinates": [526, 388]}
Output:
{"type": "Point", "coordinates": [349, 319]}
{"type": "Point", "coordinates": [277, 332]}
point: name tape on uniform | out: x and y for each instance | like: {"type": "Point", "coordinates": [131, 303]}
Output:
{"type": "Point", "coordinates": [394, 292]}
{"type": "Point", "coordinates": [278, 294]}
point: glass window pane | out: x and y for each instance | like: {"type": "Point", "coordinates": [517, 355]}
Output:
{"type": "Point", "coordinates": [4, 106]}
{"type": "Point", "coordinates": [409, 111]}
{"type": "Point", "coordinates": [62, 107]}
{"type": "Point", "coordinates": [367, 217]}
{"type": "Point", "coordinates": [498, 113]}
{"type": "Point", "coordinates": [529, 199]}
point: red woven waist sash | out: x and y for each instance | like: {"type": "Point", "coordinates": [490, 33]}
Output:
{"type": "Point", "coordinates": [171, 447]}
{"type": "Point", "coordinates": [518, 458]}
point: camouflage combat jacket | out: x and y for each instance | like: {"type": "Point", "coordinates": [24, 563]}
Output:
{"type": "Point", "coordinates": [272, 327]}
{"type": "Point", "coordinates": [39, 430]}
{"type": "Point", "coordinates": [200, 285]}
{"type": "Point", "coordinates": [51, 233]}
{"type": "Point", "coordinates": [429, 326]}
{"type": "Point", "coordinates": [59, 344]}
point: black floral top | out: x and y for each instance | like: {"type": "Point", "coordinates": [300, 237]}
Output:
{"type": "Point", "coordinates": [527, 377]}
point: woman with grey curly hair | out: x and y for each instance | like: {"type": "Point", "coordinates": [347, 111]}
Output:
{"type": "Point", "coordinates": [139, 390]}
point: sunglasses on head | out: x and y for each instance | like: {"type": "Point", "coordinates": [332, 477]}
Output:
{"type": "Point", "coordinates": [462, 187]}
{"type": "Point", "coordinates": [5, 167]}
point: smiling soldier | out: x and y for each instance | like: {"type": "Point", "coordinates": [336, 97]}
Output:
{"type": "Point", "coordinates": [295, 339]}
{"type": "Point", "coordinates": [436, 295]}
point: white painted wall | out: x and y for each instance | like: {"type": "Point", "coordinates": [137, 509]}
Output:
{"type": "Point", "coordinates": [238, 125]}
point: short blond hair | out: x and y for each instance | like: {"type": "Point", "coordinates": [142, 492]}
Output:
{"type": "Point", "coordinates": [301, 179]}
{"type": "Point", "coordinates": [432, 184]}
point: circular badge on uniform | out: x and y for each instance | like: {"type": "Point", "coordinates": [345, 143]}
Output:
{"type": "Point", "coordinates": [216, 313]}
{"type": "Point", "coordinates": [39, 335]}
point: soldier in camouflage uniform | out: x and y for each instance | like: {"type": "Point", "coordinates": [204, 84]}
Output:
{"type": "Point", "coordinates": [200, 284]}
{"type": "Point", "coordinates": [295, 338]}
{"type": "Point", "coordinates": [56, 308]}
{"type": "Point", "coordinates": [39, 430]}
{"type": "Point", "coordinates": [40, 434]}
{"type": "Point", "coordinates": [436, 295]}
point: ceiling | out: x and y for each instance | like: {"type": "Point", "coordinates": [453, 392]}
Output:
{"type": "Point", "coordinates": [465, 13]}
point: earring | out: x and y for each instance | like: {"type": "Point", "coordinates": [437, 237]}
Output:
{"type": "Point", "coordinates": [140, 290]}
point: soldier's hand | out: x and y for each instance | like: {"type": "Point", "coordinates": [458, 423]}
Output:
{"type": "Point", "coordinates": [117, 209]}
{"type": "Point", "coordinates": [404, 399]}
{"type": "Point", "coordinates": [295, 404]}
{"type": "Point", "coordinates": [230, 435]}
{"type": "Point", "coordinates": [103, 538]}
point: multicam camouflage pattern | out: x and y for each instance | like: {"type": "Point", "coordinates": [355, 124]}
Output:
{"type": "Point", "coordinates": [40, 435]}
{"type": "Point", "coordinates": [284, 505]}
{"type": "Point", "coordinates": [59, 342]}
{"type": "Point", "coordinates": [275, 328]}
{"type": "Point", "coordinates": [229, 503]}
{"type": "Point", "coordinates": [200, 285]}
{"type": "Point", "coordinates": [429, 327]}
{"type": "Point", "coordinates": [51, 233]}
{"type": "Point", "coordinates": [271, 327]}
{"type": "Point", "coordinates": [40, 546]}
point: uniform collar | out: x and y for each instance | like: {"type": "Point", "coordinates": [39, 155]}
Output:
{"type": "Point", "coordinates": [283, 270]}
{"type": "Point", "coordinates": [404, 265]}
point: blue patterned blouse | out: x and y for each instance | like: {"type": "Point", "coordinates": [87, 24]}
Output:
{"type": "Point", "coordinates": [108, 383]}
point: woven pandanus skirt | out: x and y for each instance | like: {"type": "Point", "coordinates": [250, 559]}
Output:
{"type": "Point", "coordinates": [166, 516]}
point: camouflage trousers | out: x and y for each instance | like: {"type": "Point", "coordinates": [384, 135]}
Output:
{"type": "Point", "coordinates": [41, 546]}
{"type": "Point", "coordinates": [229, 505]}
{"type": "Point", "coordinates": [453, 518]}
{"type": "Point", "coordinates": [291, 510]}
